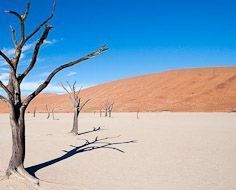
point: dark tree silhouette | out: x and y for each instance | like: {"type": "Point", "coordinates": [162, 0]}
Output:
{"type": "Point", "coordinates": [13, 97]}
{"type": "Point", "coordinates": [75, 98]}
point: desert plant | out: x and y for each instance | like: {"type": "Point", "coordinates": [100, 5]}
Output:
{"type": "Point", "coordinates": [17, 105]}
{"type": "Point", "coordinates": [75, 98]}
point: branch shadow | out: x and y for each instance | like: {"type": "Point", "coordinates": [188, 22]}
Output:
{"type": "Point", "coordinates": [91, 131]}
{"type": "Point", "coordinates": [87, 146]}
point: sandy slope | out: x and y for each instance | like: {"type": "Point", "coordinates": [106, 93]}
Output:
{"type": "Point", "coordinates": [174, 151]}
{"type": "Point", "coordinates": [210, 89]}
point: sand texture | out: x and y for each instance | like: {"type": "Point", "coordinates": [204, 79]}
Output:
{"type": "Point", "coordinates": [171, 151]}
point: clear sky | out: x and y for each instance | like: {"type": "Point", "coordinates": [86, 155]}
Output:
{"type": "Point", "coordinates": [144, 36]}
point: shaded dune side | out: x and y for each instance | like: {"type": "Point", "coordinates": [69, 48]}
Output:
{"type": "Point", "coordinates": [203, 89]}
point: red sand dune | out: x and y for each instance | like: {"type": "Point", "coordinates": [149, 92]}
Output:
{"type": "Point", "coordinates": [203, 89]}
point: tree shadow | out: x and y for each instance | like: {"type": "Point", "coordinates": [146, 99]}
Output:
{"type": "Point", "coordinates": [87, 146]}
{"type": "Point", "coordinates": [91, 131]}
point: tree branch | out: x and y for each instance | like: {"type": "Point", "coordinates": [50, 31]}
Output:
{"type": "Point", "coordinates": [6, 59]}
{"type": "Point", "coordinates": [4, 99]}
{"type": "Point", "coordinates": [24, 17]}
{"type": "Point", "coordinates": [6, 89]}
{"type": "Point", "coordinates": [14, 13]}
{"type": "Point", "coordinates": [13, 36]}
{"type": "Point", "coordinates": [72, 100]}
{"type": "Point", "coordinates": [43, 23]}
{"type": "Point", "coordinates": [21, 22]}
{"type": "Point", "coordinates": [82, 106]}
{"type": "Point", "coordinates": [35, 54]}
{"type": "Point", "coordinates": [54, 72]}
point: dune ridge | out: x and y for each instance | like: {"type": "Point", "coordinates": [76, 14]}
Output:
{"type": "Point", "coordinates": [185, 90]}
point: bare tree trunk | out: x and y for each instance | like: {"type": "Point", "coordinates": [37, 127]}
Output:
{"type": "Point", "coordinates": [106, 113]}
{"type": "Point", "coordinates": [18, 142]}
{"type": "Point", "coordinates": [53, 116]}
{"type": "Point", "coordinates": [137, 115]}
{"type": "Point", "coordinates": [34, 112]}
{"type": "Point", "coordinates": [100, 113]}
{"type": "Point", "coordinates": [109, 113]}
{"type": "Point", "coordinates": [48, 110]}
{"type": "Point", "coordinates": [75, 122]}
{"type": "Point", "coordinates": [16, 164]}
{"type": "Point", "coordinates": [48, 115]}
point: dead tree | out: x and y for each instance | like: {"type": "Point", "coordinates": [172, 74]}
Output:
{"type": "Point", "coordinates": [12, 96]}
{"type": "Point", "coordinates": [34, 112]}
{"type": "Point", "coordinates": [75, 98]}
{"type": "Point", "coordinates": [53, 116]}
{"type": "Point", "coordinates": [48, 111]}
{"type": "Point", "coordinates": [137, 114]}
{"type": "Point", "coordinates": [108, 107]}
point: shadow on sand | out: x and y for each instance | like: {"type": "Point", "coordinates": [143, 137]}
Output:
{"type": "Point", "coordinates": [94, 130]}
{"type": "Point", "coordinates": [102, 143]}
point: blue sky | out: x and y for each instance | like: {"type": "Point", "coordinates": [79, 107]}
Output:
{"type": "Point", "coordinates": [144, 36]}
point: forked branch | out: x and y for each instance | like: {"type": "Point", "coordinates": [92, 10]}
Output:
{"type": "Point", "coordinates": [35, 53]}
{"type": "Point", "coordinates": [6, 89]}
{"type": "Point", "coordinates": [4, 56]}
{"type": "Point", "coordinates": [42, 23]}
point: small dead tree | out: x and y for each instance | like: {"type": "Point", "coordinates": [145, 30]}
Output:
{"type": "Point", "coordinates": [75, 98]}
{"type": "Point", "coordinates": [17, 104]}
{"type": "Point", "coordinates": [48, 111]}
{"type": "Point", "coordinates": [34, 112]}
{"type": "Point", "coordinates": [108, 107]}
{"type": "Point", "coordinates": [137, 114]}
{"type": "Point", "coordinates": [53, 116]}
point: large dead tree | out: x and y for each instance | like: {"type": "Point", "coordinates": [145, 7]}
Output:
{"type": "Point", "coordinates": [13, 97]}
{"type": "Point", "coordinates": [75, 98]}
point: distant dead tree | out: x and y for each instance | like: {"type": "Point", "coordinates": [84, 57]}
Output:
{"type": "Point", "coordinates": [48, 111]}
{"type": "Point", "coordinates": [75, 98]}
{"type": "Point", "coordinates": [13, 89]}
{"type": "Point", "coordinates": [34, 112]}
{"type": "Point", "coordinates": [108, 107]}
{"type": "Point", "coordinates": [137, 114]}
{"type": "Point", "coordinates": [53, 116]}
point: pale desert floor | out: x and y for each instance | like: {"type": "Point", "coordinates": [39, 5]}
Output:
{"type": "Point", "coordinates": [173, 151]}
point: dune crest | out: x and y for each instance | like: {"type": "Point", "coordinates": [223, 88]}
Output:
{"type": "Point", "coordinates": [201, 89]}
